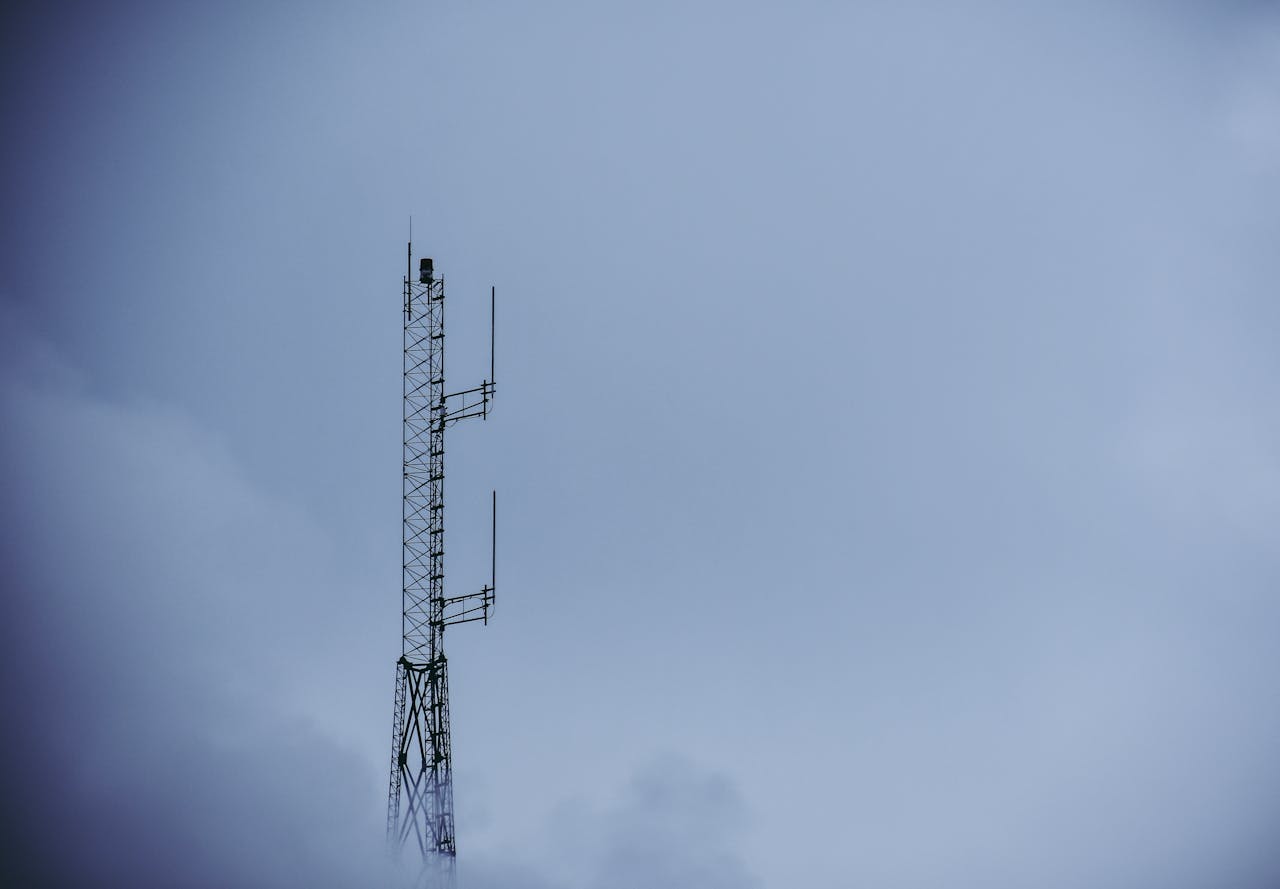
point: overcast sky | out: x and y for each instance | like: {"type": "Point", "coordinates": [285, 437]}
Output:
{"type": "Point", "coordinates": [887, 440]}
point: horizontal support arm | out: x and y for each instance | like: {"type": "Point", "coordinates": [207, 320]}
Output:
{"type": "Point", "coordinates": [467, 608]}
{"type": "Point", "coordinates": [475, 403]}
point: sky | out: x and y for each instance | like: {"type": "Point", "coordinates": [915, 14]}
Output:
{"type": "Point", "coordinates": [885, 440]}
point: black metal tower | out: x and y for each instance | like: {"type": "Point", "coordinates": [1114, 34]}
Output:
{"type": "Point", "coordinates": [420, 798]}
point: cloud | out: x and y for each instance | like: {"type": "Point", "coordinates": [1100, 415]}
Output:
{"type": "Point", "coordinates": [675, 824]}
{"type": "Point", "coordinates": [172, 652]}
{"type": "Point", "coordinates": [170, 656]}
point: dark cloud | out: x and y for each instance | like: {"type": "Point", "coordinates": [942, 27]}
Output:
{"type": "Point", "coordinates": [162, 671]}
{"type": "Point", "coordinates": [162, 741]}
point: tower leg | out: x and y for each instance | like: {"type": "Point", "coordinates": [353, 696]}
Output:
{"type": "Point", "coordinates": [420, 814]}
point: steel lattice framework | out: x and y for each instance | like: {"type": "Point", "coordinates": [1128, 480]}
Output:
{"type": "Point", "coordinates": [420, 797]}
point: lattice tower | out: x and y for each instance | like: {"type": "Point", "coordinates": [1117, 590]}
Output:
{"type": "Point", "coordinates": [420, 826]}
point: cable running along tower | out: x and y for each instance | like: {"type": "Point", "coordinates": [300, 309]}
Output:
{"type": "Point", "coordinates": [420, 798]}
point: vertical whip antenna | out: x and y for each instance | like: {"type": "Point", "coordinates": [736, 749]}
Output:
{"type": "Point", "coordinates": [493, 561]}
{"type": "Point", "coordinates": [489, 387]}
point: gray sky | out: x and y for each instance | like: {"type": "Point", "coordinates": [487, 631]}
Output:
{"type": "Point", "coordinates": [886, 439]}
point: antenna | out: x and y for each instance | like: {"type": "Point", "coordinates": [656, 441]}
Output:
{"type": "Point", "coordinates": [493, 559]}
{"type": "Point", "coordinates": [489, 386]}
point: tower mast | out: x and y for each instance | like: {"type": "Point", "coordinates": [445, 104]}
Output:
{"type": "Point", "coordinates": [420, 828]}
